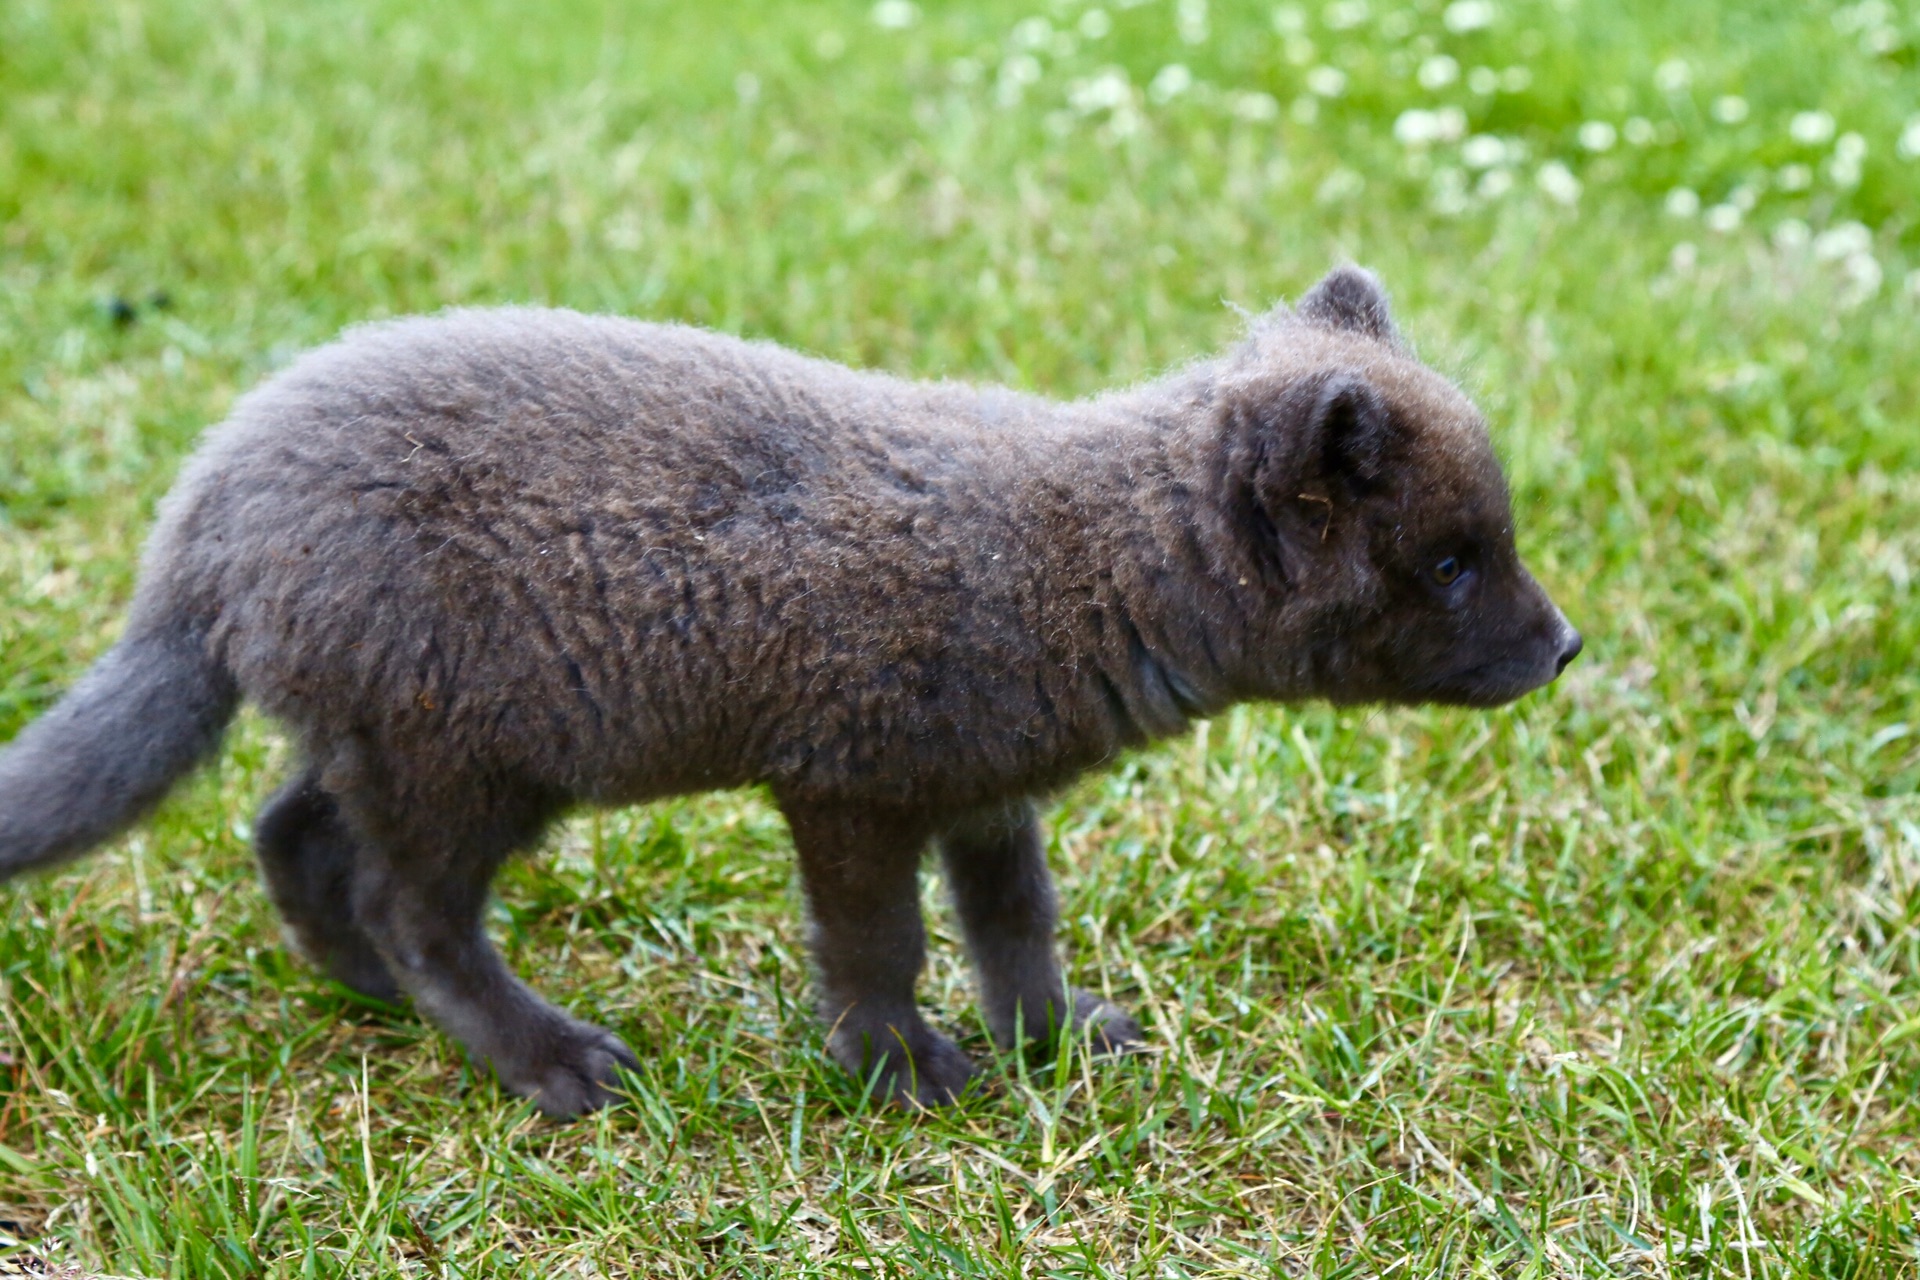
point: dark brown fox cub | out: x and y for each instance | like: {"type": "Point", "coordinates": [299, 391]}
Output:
{"type": "Point", "coordinates": [493, 564]}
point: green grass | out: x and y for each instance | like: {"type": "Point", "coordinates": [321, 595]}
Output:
{"type": "Point", "coordinates": [1624, 980]}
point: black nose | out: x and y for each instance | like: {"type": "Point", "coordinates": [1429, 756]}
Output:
{"type": "Point", "coordinates": [1569, 653]}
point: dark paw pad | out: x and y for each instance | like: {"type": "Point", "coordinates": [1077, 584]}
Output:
{"type": "Point", "coordinates": [916, 1067]}
{"type": "Point", "coordinates": [575, 1074]}
{"type": "Point", "coordinates": [1109, 1029]}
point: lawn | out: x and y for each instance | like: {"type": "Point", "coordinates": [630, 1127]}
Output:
{"type": "Point", "coordinates": [1621, 980]}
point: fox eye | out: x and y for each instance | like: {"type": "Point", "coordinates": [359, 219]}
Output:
{"type": "Point", "coordinates": [1447, 572]}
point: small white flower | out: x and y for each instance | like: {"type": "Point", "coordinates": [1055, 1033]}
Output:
{"type": "Point", "coordinates": [1095, 24]}
{"type": "Point", "coordinates": [1864, 275]}
{"type": "Point", "coordinates": [1850, 146]}
{"type": "Point", "coordinates": [1683, 202]}
{"type": "Point", "coordinates": [1810, 128]}
{"type": "Point", "coordinates": [1344, 15]}
{"type": "Point", "coordinates": [1328, 82]}
{"type": "Point", "coordinates": [1494, 183]}
{"type": "Point", "coordinates": [1341, 184]}
{"type": "Point", "coordinates": [1744, 197]}
{"type": "Point", "coordinates": [1558, 182]}
{"type": "Point", "coordinates": [1483, 80]}
{"type": "Point", "coordinates": [1449, 191]}
{"type": "Point", "coordinates": [1842, 240]}
{"type": "Point", "coordinates": [1170, 82]}
{"type": "Point", "coordinates": [1598, 135]}
{"type": "Point", "coordinates": [1190, 20]}
{"type": "Point", "coordinates": [1289, 19]}
{"type": "Point", "coordinates": [1463, 16]}
{"type": "Point", "coordinates": [1844, 173]}
{"type": "Point", "coordinates": [1790, 235]}
{"type": "Point", "coordinates": [1483, 151]}
{"type": "Point", "coordinates": [1103, 92]}
{"type": "Point", "coordinates": [1419, 127]}
{"type": "Point", "coordinates": [1794, 177]}
{"type": "Point", "coordinates": [1016, 73]}
{"type": "Point", "coordinates": [1730, 108]}
{"type": "Point", "coordinates": [1031, 33]}
{"type": "Point", "coordinates": [1639, 131]}
{"type": "Point", "coordinates": [1439, 71]}
{"type": "Point", "coordinates": [1909, 145]}
{"type": "Point", "coordinates": [1722, 218]}
{"type": "Point", "coordinates": [1255, 106]}
{"type": "Point", "coordinates": [1683, 258]}
{"type": "Point", "coordinates": [1673, 76]}
{"type": "Point", "coordinates": [894, 15]}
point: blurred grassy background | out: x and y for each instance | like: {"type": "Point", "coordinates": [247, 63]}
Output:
{"type": "Point", "coordinates": [1618, 981]}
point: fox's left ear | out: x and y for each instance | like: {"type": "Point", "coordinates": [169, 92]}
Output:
{"type": "Point", "coordinates": [1351, 298]}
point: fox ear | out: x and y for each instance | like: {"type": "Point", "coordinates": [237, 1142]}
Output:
{"type": "Point", "coordinates": [1351, 298]}
{"type": "Point", "coordinates": [1340, 424]}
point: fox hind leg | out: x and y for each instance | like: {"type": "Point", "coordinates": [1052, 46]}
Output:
{"type": "Point", "coordinates": [307, 857]}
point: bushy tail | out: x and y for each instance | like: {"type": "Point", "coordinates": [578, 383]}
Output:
{"type": "Point", "coordinates": [146, 713]}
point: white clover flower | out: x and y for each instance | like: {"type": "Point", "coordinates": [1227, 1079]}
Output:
{"type": "Point", "coordinates": [1483, 151]}
{"type": "Point", "coordinates": [1842, 240]}
{"type": "Point", "coordinates": [1016, 73]}
{"type": "Point", "coordinates": [1867, 13]}
{"type": "Point", "coordinates": [1095, 24]}
{"type": "Point", "coordinates": [1418, 127]}
{"type": "Point", "coordinates": [1791, 235]}
{"type": "Point", "coordinates": [1598, 135]}
{"type": "Point", "coordinates": [894, 15]}
{"type": "Point", "coordinates": [1031, 33]}
{"type": "Point", "coordinates": [1730, 108]}
{"type": "Point", "coordinates": [1683, 202]}
{"type": "Point", "coordinates": [1101, 92]}
{"type": "Point", "coordinates": [1673, 76]}
{"type": "Point", "coordinates": [1494, 183]}
{"type": "Point", "coordinates": [1558, 182]}
{"type": "Point", "coordinates": [1439, 71]}
{"type": "Point", "coordinates": [1794, 177]}
{"type": "Point", "coordinates": [1328, 82]}
{"type": "Point", "coordinates": [1255, 106]}
{"type": "Point", "coordinates": [1170, 82]}
{"type": "Point", "coordinates": [1190, 20]}
{"type": "Point", "coordinates": [1344, 15]}
{"type": "Point", "coordinates": [1463, 16]}
{"type": "Point", "coordinates": [1638, 130]}
{"type": "Point", "coordinates": [1850, 146]}
{"type": "Point", "coordinates": [1483, 80]}
{"type": "Point", "coordinates": [1341, 184]}
{"type": "Point", "coordinates": [1864, 276]}
{"type": "Point", "coordinates": [1810, 128]}
{"type": "Point", "coordinates": [1909, 144]}
{"type": "Point", "coordinates": [1449, 191]}
{"type": "Point", "coordinates": [1843, 173]}
{"type": "Point", "coordinates": [1722, 218]}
